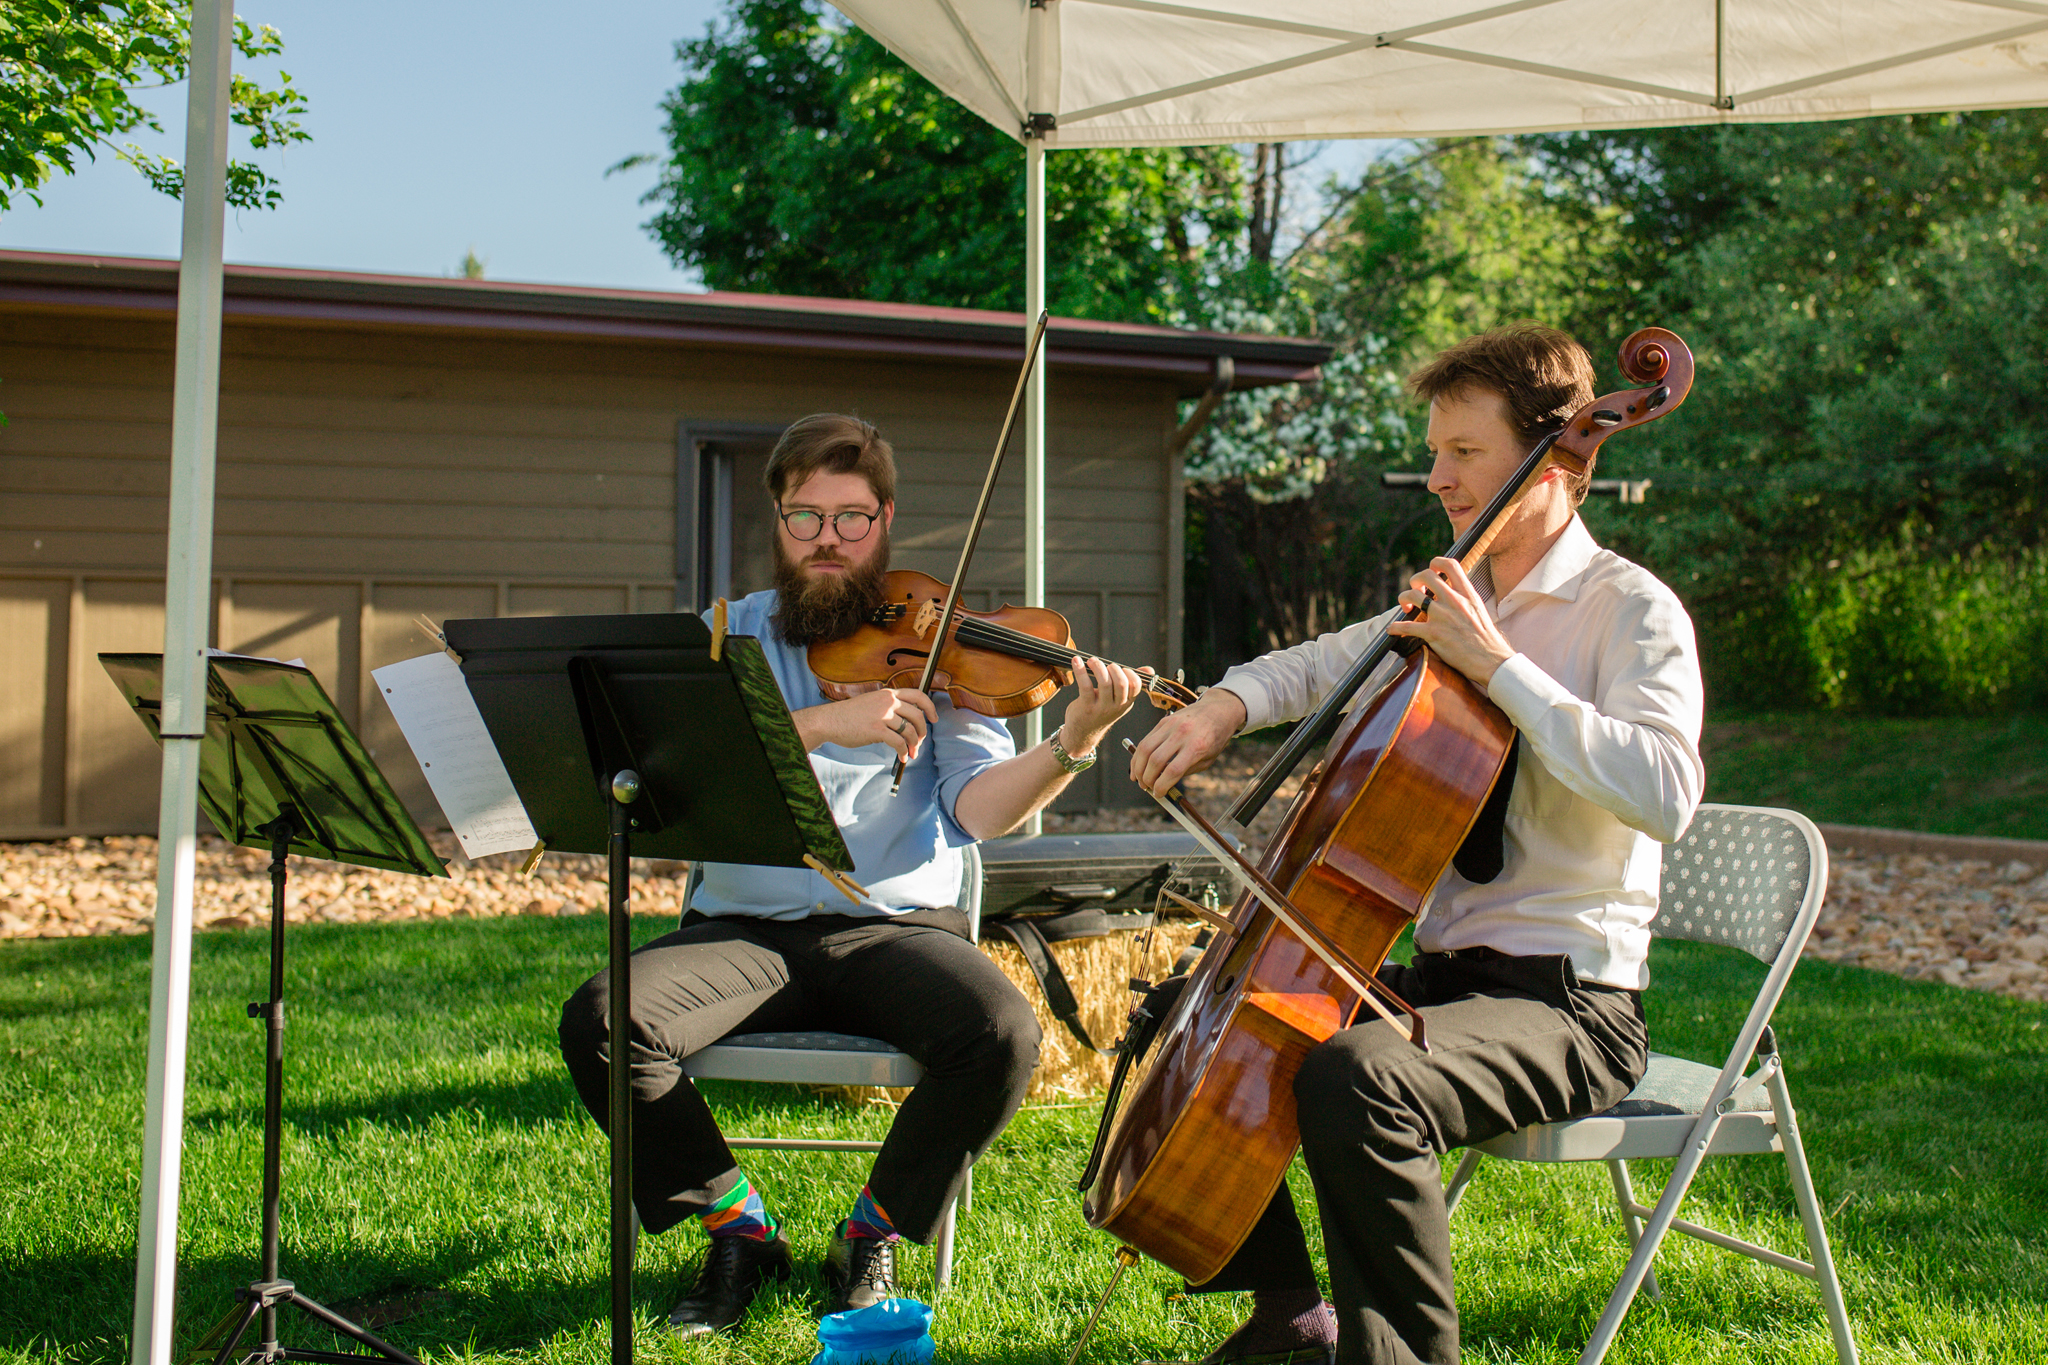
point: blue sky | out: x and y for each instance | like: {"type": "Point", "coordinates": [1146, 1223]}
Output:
{"type": "Point", "coordinates": [439, 128]}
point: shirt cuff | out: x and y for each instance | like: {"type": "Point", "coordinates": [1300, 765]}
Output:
{"type": "Point", "coordinates": [1258, 706]}
{"type": "Point", "coordinates": [1524, 691]}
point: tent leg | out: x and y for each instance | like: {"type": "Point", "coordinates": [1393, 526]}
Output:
{"type": "Point", "coordinates": [188, 589]}
{"type": "Point", "coordinates": [1034, 411]}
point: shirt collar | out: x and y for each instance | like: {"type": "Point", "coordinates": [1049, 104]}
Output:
{"type": "Point", "coordinates": [1558, 573]}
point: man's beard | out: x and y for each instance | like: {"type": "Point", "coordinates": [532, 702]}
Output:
{"type": "Point", "coordinates": [830, 606]}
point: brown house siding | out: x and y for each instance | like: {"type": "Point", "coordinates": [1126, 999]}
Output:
{"type": "Point", "coordinates": [371, 472]}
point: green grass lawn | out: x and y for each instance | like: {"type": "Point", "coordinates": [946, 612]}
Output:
{"type": "Point", "coordinates": [432, 1143]}
{"type": "Point", "coordinates": [1943, 775]}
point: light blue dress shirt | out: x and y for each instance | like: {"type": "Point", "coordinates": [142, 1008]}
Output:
{"type": "Point", "coordinates": [906, 847]}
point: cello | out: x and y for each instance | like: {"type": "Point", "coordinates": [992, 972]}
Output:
{"type": "Point", "coordinates": [1184, 1169]}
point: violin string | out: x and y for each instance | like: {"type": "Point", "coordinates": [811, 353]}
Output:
{"type": "Point", "coordinates": [1022, 645]}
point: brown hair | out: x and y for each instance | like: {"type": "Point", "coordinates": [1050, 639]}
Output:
{"type": "Point", "coordinates": [834, 443]}
{"type": "Point", "coordinates": [1540, 373]}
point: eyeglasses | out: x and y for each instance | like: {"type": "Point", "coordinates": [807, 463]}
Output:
{"type": "Point", "coordinates": [804, 524]}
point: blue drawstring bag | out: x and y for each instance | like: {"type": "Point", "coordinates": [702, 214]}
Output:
{"type": "Point", "coordinates": [892, 1332]}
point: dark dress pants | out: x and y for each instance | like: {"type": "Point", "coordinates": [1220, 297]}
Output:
{"type": "Point", "coordinates": [1513, 1041]}
{"type": "Point", "coordinates": [921, 988]}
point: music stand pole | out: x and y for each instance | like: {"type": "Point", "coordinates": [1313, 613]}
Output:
{"type": "Point", "coordinates": [271, 1012]}
{"type": "Point", "coordinates": [624, 789]}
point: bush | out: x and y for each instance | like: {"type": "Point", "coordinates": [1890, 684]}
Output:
{"type": "Point", "coordinates": [1889, 632]}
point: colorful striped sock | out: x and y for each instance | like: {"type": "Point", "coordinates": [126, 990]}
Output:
{"type": "Point", "coordinates": [740, 1213]}
{"type": "Point", "coordinates": [868, 1219]}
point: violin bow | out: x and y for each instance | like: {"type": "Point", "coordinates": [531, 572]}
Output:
{"type": "Point", "coordinates": [1652, 357]}
{"type": "Point", "coordinates": [988, 489]}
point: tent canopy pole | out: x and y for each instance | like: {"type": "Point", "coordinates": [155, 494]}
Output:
{"type": "Point", "coordinates": [188, 588]}
{"type": "Point", "coordinates": [1034, 414]}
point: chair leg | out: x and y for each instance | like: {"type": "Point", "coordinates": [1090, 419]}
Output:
{"type": "Point", "coordinates": [967, 1192]}
{"type": "Point", "coordinates": [1463, 1177]}
{"type": "Point", "coordinates": [1625, 1195]}
{"type": "Point", "coordinates": [1817, 1247]}
{"type": "Point", "coordinates": [1682, 1173]}
{"type": "Point", "coordinates": [942, 1250]}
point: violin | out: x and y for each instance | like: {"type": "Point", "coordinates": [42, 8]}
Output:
{"type": "Point", "coordinates": [997, 663]}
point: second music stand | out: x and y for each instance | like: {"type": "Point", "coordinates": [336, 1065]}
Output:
{"type": "Point", "coordinates": [647, 736]}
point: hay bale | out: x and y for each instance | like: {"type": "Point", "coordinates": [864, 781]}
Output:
{"type": "Point", "coordinates": [1099, 970]}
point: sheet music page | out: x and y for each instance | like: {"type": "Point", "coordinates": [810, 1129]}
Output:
{"type": "Point", "coordinates": [439, 719]}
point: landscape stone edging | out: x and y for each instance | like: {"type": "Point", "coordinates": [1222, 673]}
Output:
{"type": "Point", "coordinates": [1974, 848]}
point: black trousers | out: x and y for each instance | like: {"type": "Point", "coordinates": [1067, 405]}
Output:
{"type": "Point", "coordinates": [1513, 1041]}
{"type": "Point", "coordinates": [920, 987]}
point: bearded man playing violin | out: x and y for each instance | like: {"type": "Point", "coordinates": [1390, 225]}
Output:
{"type": "Point", "coordinates": [1530, 983]}
{"type": "Point", "coordinates": [766, 949]}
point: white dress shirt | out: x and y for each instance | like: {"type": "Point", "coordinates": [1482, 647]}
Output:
{"type": "Point", "coordinates": [1606, 692]}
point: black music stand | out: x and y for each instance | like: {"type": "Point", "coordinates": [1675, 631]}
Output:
{"type": "Point", "coordinates": [644, 736]}
{"type": "Point", "coordinates": [280, 769]}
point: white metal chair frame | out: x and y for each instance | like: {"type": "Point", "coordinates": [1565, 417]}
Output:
{"type": "Point", "coordinates": [836, 1059]}
{"type": "Point", "coordinates": [1749, 878]}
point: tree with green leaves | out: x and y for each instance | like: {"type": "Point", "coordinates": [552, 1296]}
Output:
{"type": "Point", "coordinates": [803, 158]}
{"type": "Point", "coordinates": [72, 71]}
{"type": "Point", "coordinates": [1870, 426]}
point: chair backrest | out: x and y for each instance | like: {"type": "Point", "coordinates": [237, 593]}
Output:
{"type": "Point", "coordinates": [970, 890]}
{"type": "Point", "coordinates": [1750, 878]}
{"type": "Point", "coordinates": [1745, 877]}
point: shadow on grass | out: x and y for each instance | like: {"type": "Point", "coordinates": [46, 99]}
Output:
{"type": "Point", "coordinates": [546, 1097]}
{"type": "Point", "coordinates": [541, 1098]}
{"type": "Point", "coordinates": [76, 1307]}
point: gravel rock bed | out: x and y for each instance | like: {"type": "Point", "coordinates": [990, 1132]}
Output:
{"type": "Point", "coordinates": [108, 886]}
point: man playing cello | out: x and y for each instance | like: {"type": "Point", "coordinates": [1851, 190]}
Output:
{"type": "Point", "coordinates": [775, 949]}
{"type": "Point", "coordinates": [1530, 983]}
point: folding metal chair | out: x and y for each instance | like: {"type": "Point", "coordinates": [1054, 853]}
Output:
{"type": "Point", "coordinates": [1752, 879]}
{"type": "Point", "coordinates": [836, 1059]}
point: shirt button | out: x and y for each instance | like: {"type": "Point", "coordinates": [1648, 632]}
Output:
{"type": "Point", "coordinates": [819, 906]}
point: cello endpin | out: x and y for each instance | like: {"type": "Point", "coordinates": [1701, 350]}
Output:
{"type": "Point", "coordinates": [1126, 1257]}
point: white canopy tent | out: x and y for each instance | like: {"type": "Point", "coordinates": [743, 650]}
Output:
{"type": "Point", "coordinates": [1111, 73]}
{"type": "Point", "coordinates": [1127, 73]}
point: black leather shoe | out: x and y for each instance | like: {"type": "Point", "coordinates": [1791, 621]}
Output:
{"type": "Point", "coordinates": [727, 1282]}
{"type": "Point", "coordinates": [859, 1272]}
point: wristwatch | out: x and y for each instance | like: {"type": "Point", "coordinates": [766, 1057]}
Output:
{"type": "Point", "coordinates": [1068, 761]}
